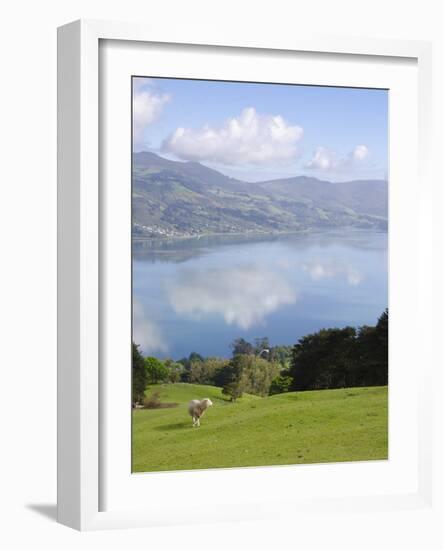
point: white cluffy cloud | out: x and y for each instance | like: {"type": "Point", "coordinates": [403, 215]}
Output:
{"type": "Point", "coordinates": [147, 106]}
{"type": "Point", "coordinates": [250, 138]}
{"type": "Point", "coordinates": [242, 295]}
{"type": "Point", "coordinates": [323, 159]}
{"type": "Point", "coordinates": [327, 160]}
{"type": "Point", "coordinates": [360, 152]}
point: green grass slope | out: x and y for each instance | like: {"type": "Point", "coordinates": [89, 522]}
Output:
{"type": "Point", "coordinates": [294, 428]}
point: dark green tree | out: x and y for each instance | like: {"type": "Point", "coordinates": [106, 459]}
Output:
{"type": "Point", "coordinates": [233, 390]}
{"type": "Point", "coordinates": [323, 359]}
{"type": "Point", "coordinates": [382, 329]}
{"type": "Point", "coordinates": [139, 380]}
{"type": "Point", "coordinates": [241, 347]}
{"type": "Point", "coordinates": [371, 354]}
{"type": "Point", "coordinates": [194, 356]}
{"type": "Point", "coordinates": [233, 385]}
{"type": "Point", "coordinates": [261, 344]}
{"type": "Point", "coordinates": [337, 358]}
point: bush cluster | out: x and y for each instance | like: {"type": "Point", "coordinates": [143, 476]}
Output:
{"type": "Point", "coordinates": [329, 358]}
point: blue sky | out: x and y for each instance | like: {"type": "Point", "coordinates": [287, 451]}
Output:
{"type": "Point", "coordinates": [264, 131]}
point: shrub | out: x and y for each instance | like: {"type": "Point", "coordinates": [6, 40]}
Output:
{"type": "Point", "coordinates": [153, 402]}
{"type": "Point", "coordinates": [155, 370]}
{"type": "Point", "coordinates": [280, 384]}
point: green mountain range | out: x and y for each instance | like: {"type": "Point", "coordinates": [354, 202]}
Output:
{"type": "Point", "coordinates": [183, 199]}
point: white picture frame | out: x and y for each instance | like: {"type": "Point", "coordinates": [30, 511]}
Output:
{"type": "Point", "coordinates": [81, 413]}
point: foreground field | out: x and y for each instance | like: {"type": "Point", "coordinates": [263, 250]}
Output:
{"type": "Point", "coordinates": [293, 428]}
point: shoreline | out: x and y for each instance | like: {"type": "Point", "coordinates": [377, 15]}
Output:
{"type": "Point", "coordinates": [257, 235]}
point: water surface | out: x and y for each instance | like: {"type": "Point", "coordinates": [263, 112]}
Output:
{"type": "Point", "coordinates": [201, 294]}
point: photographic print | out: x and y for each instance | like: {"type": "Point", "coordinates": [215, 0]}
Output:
{"type": "Point", "coordinates": [259, 274]}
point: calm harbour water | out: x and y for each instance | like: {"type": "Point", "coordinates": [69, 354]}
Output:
{"type": "Point", "coordinates": [200, 294]}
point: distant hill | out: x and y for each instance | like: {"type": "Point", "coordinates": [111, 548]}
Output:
{"type": "Point", "coordinates": [178, 199]}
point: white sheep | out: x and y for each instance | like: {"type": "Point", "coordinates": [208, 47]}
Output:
{"type": "Point", "coordinates": [197, 408]}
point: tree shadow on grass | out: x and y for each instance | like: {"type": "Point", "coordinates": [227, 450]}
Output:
{"type": "Point", "coordinates": [175, 426]}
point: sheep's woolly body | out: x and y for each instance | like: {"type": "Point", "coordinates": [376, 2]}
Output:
{"type": "Point", "coordinates": [197, 408]}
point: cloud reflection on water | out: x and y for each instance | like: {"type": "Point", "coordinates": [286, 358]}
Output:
{"type": "Point", "coordinates": [243, 295]}
{"type": "Point", "coordinates": [325, 270]}
{"type": "Point", "coordinates": [145, 332]}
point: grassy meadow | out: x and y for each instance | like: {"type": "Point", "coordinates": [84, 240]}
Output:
{"type": "Point", "coordinates": [336, 425]}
